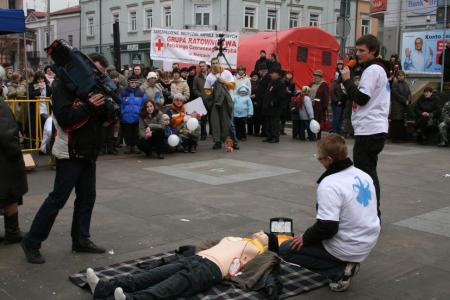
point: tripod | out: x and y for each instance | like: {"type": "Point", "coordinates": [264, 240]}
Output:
{"type": "Point", "coordinates": [221, 54]}
{"type": "Point", "coordinates": [221, 48]}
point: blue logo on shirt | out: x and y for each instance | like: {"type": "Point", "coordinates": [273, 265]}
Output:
{"type": "Point", "coordinates": [364, 194]}
{"type": "Point", "coordinates": [388, 87]}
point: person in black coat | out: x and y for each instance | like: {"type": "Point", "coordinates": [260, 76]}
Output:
{"type": "Point", "coordinates": [39, 88]}
{"type": "Point", "coordinates": [261, 60]}
{"type": "Point", "coordinates": [272, 105]}
{"type": "Point", "coordinates": [254, 81]}
{"type": "Point", "coordinates": [258, 118]}
{"type": "Point", "coordinates": [13, 179]}
{"type": "Point", "coordinates": [273, 63]}
{"type": "Point", "coordinates": [285, 109]}
{"type": "Point", "coordinates": [400, 99]}
{"type": "Point", "coordinates": [427, 114]}
{"type": "Point", "coordinates": [446, 62]}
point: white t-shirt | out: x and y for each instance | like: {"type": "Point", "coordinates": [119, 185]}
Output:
{"type": "Point", "coordinates": [211, 79]}
{"type": "Point", "coordinates": [372, 118]}
{"type": "Point", "coordinates": [349, 197]}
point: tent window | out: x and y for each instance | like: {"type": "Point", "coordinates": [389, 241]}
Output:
{"type": "Point", "coordinates": [326, 58]}
{"type": "Point", "coordinates": [302, 54]}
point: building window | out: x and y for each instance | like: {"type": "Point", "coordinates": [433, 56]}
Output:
{"type": "Point", "coordinates": [167, 16]}
{"type": "Point", "coordinates": [132, 22]}
{"type": "Point", "coordinates": [148, 21]}
{"type": "Point", "coordinates": [314, 19]}
{"type": "Point", "coordinates": [326, 58]}
{"type": "Point", "coordinates": [272, 19]}
{"type": "Point", "coordinates": [250, 17]}
{"type": "Point", "coordinates": [202, 13]}
{"type": "Point", "coordinates": [90, 26]}
{"type": "Point", "coordinates": [365, 25]}
{"type": "Point", "coordinates": [302, 54]}
{"type": "Point", "coordinates": [70, 39]}
{"type": "Point", "coordinates": [12, 4]}
{"type": "Point", "coordinates": [115, 17]}
{"type": "Point", "coordinates": [337, 22]}
{"type": "Point", "coordinates": [293, 19]}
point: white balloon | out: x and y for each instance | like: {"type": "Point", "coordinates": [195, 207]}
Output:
{"type": "Point", "coordinates": [314, 126]}
{"type": "Point", "coordinates": [192, 124]}
{"type": "Point", "coordinates": [173, 140]}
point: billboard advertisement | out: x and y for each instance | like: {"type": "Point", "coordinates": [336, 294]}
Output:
{"type": "Point", "coordinates": [421, 7]}
{"type": "Point", "coordinates": [377, 6]}
{"type": "Point", "coordinates": [421, 50]}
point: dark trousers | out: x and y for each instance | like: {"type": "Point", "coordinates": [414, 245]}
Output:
{"type": "Point", "coordinates": [184, 277]}
{"type": "Point", "coordinates": [365, 157]}
{"type": "Point", "coordinates": [315, 258]}
{"type": "Point", "coordinates": [337, 118]}
{"type": "Point", "coordinates": [257, 121]}
{"type": "Point", "coordinates": [69, 174]}
{"type": "Point", "coordinates": [273, 127]}
{"type": "Point", "coordinates": [250, 126]}
{"type": "Point", "coordinates": [241, 132]}
{"type": "Point", "coordinates": [397, 130]}
{"type": "Point", "coordinates": [203, 122]}
{"type": "Point", "coordinates": [156, 141]}
{"type": "Point", "coordinates": [130, 133]}
{"type": "Point", "coordinates": [108, 138]}
{"type": "Point", "coordinates": [304, 125]}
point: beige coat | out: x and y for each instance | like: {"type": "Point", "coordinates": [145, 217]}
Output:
{"type": "Point", "coordinates": [180, 86]}
{"type": "Point", "coordinates": [151, 90]}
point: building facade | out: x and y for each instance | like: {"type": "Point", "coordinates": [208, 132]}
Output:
{"type": "Point", "coordinates": [64, 24]}
{"type": "Point", "coordinates": [136, 19]}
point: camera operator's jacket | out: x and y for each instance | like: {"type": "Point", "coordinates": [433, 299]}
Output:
{"type": "Point", "coordinates": [78, 125]}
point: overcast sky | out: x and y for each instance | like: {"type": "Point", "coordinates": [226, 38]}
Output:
{"type": "Point", "coordinates": [41, 5]}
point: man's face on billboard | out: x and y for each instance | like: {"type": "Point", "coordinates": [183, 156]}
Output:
{"type": "Point", "coordinates": [418, 44]}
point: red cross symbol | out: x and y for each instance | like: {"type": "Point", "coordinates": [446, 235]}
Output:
{"type": "Point", "coordinates": [159, 44]}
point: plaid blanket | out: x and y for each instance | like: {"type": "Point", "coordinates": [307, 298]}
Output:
{"type": "Point", "coordinates": [295, 280]}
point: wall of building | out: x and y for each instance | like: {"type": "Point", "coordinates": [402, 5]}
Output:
{"type": "Point", "coordinates": [136, 44]}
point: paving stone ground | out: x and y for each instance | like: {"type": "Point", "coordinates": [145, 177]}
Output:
{"type": "Point", "coordinates": [146, 206]}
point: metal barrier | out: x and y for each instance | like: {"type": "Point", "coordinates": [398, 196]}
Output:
{"type": "Point", "coordinates": [34, 141]}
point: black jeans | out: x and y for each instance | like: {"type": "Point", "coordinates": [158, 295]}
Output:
{"type": "Point", "coordinates": [365, 157]}
{"type": "Point", "coordinates": [315, 258]}
{"type": "Point", "coordinates": [203, 122]}
{"type": "Point", "coordinates": [130, 133]}
{"type": "Point", "coordinates": [304, 125]}
{"type": "Point", "coordinates": [156, 141]}
{"type": "Point", "coordinates": [273, 127]}
{"type": "Point", "coordinates": [241, 132]}
{"type": "Point", "coordinates": [69, 174]}
{"type": "Point", "coordinates": [108, 138]}
{"type": "Point", "coordinates": [184, 277]}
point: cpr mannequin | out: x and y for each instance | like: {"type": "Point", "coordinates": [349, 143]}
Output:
{"type": "Point", "coordinates": [186, 276]}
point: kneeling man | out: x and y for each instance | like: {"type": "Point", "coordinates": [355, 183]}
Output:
{"type": "Point", "coordinates": [347, 225]}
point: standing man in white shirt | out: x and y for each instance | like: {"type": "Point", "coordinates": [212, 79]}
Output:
{"type": "Point", "coordinates": [417, 60]}
{"type": "Point", "coordinates": [218, 88]}
{"type": "Point", "coordinates": [371, 102]}
{"type": "Point", "coordinates": [346, 227]}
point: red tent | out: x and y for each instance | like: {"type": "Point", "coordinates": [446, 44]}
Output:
{"type": "Point", "coordinates": [300, 50]}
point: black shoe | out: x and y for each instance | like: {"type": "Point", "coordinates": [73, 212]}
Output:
{"type": "Point", "coordinates": [217, 145]}
{"type": "Point", "coordinates": [193, 149]}
{"type": "Point", "coordinates": [236, 147]}
{"type": "Point", "coordinates": [283, 133]}
{"type": "Point", "coordinates": [272, 141]}
{"type": "Point", "coordinates": [87, 247]}
{"type": "Point", "coordinates": [442, 144]}
{"type": "Point", "coordinates": [33, 256]}
{"type": "Point", "coordinates": [203, 137]}
{"type": "Point", "coordinates": [12, 230]}
{"type": "Point", "coordinates": [266, 140]}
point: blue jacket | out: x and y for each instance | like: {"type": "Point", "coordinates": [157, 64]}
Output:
{"type": "Point", "coordinates": [243, 106]}
{"type": "Point", "coordinates": [131, 101]}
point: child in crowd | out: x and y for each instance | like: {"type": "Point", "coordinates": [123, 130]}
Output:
{"type": "Point", "coordinates": [131, 101]}
{"type": "Point", "coordinates": [178, 124]}
{"type": "Point", "coordinates": [243, 109]}
{"type": "Point", "coordinates": [306, 114]}
{"type": "Point", "coordinates": [151, 129]}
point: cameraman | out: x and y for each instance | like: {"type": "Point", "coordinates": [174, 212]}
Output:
{"type": "Point", "coordinates": [78, 124]}
{"type": "Point", "coordinates": [371, 101]}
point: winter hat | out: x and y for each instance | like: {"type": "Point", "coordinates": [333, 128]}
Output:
{"type": "Point", "coordinates": [133, 78]}
{"type": "Point", "coordinates": [152, 75]}
{"type": "Point", "coordinates": [306, 89]}
{"type": "Point", "coordinates": [318, 73]}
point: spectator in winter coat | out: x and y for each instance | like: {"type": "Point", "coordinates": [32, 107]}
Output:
{"type": "Point", "coordinates": [137, 73]}
{"type": "Point", "coordinates": [427, 114]}
{"type": "Point", "coordinates": [444, 125]}
{"type": "Point", "coordinates": [151, 129]}
{"type": "Point", "coordinates": [285, 109]}
{"type": "Point", "coordinates": [400, 99]}
{"type": "Point", "coordinates": [153, 89]}
{"type": "Point", "coordinates": [306, 114]}
{"type": "Point", "coordinates": [166, 82]}
{"type": "Point", "coordinates": [320, 95]}
{"type": "Point", "coordinates": [261, 60]}
{"type": "Point", "coordinates": [192, 71]}
{"type": "Point", "coordinates": [273, 63]}
{"type": "Point", "coordinates": [131, 100]}
{"type": "Point", "coordinates": [272, 104]}
{"type": "Point", "coordinates": [241, 78]}
{"type": "Point", "coordinates": [179, 85]}
{"type": "Point", "coordinates": [254, 79]}
{"type": "Point", "coordinates": [198, 91]}
{"type": "Point", "coordinates": [242, 110]}
{"type": "Point", "coordinates": [258, 117]}
{"type": "Point", "coordinates": [338, 100]}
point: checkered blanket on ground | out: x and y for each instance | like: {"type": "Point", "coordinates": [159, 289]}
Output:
{"type": "Point", "coordinates": [295, 280]}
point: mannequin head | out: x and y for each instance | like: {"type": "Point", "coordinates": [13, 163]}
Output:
{"type": "Point", "coordinates": [261, 237]}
